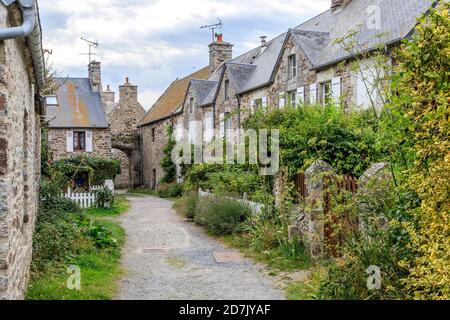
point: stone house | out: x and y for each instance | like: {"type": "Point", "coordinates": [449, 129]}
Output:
{"type": "Point", "coordinates": [77, 118]}
{"type": "Point", "coordinates": [124, 118]}
{"type": "Point", "coordinates": [167, 111]}
{"type": "Point", "coordinates": [21, 80]}
{"type": "Point", "coordinates": [303, 65]}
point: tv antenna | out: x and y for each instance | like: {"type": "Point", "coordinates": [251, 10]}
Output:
{"type": "Point", "coordinates": [92, 45]}
{"type": "Point", "coordinates": [213, 28]}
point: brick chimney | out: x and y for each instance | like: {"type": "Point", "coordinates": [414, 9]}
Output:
{"type": "Point", "coordinates": [95, 75]}
{"type": "Point", "coordinates": [128, 92]}
{"type": "Point", "coordinates": [219, 52]}
{"type": "Point", "coordinates": [109, 99]}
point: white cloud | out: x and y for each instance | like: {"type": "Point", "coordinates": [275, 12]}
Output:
{"type": "Point", "coordinates": [140, 36]}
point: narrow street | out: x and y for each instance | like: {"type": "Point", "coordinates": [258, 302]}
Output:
{"type": "Point", "coordinates": [166, 257]}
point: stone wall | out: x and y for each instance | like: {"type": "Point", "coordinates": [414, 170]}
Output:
{"type": "Point", "coordinates": [57, 140]}
{"type": "Point", "coordinates": [19, 161]}
{"type": "Point", "coordinates": [123, 180]}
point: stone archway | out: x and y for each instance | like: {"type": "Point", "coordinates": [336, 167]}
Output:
{"type": "Point", "coordinates": [128, 148]}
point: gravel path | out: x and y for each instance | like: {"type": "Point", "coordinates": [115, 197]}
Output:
{"type": "Point", "coordinates": [166, 257]}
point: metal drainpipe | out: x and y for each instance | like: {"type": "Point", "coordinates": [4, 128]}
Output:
{"type": "Point", "coordinates": [28, 8]}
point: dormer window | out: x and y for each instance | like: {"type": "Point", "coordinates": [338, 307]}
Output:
{"type": "Point", "coordinates": [51, 101]}
{"type": "Point", "coordinates": [191, 105]}
{"type": "Point", "coordinates": [292, 66]}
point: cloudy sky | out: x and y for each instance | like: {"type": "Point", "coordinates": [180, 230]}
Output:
{"type": "Point", "coordinates": [156, 41]}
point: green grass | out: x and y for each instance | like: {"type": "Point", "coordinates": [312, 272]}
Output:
{"type": "Point", "coordinates": [100, 272]}
{"type": "Point", "coordinates": [121, 205]}
{"type": "Point", "coordinates": [305, 290]}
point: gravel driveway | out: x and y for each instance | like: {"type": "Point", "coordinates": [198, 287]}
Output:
{"type": "Point", "coordinates": [166, 257]}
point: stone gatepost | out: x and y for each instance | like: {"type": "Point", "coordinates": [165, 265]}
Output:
{"type": "Point", "coordinates": [310, 224]}
{"type": "Point", "coordinates": [374, 185]}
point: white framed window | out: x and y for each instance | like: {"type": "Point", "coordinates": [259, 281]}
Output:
{"type": "Point", "coordinates": [327, 93]}
{"type": "Point", "coordinates": [292, 66]}
{"type": "Point", "coordinates": [301, 94]}
{"type": "Point", "coordinates": [313, 93]}
{"type": "Point", "coordinates": [282, 100]}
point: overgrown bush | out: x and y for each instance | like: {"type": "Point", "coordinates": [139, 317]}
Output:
{"type": "Point", "coordinates": [58, 227]}
{"type": "Point", "coordinates": [309, 133]}
{"type": "Point", "coordinates": [173, 190]}
{"type": "Point", "coordinates": [231, 180]}
{"type": "Point", "coordinates": [101, 236]}
{"type": "Point", "coordinates": [221, 216]}
{"type": "Point", "coordinates": [104, 198]}
{"type": "Point", "coordinates": [187, 206]}
{"type": "Point", "coordinates": [97, 169]}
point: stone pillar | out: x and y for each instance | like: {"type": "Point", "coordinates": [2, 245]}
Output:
{"type": "Point", "coordinates": [314, 217]}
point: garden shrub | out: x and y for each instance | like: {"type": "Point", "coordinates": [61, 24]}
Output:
{"type": "Point", "coordinates": [423, 88]}
{"type": "Point", "coordinates": [97, 169]}
{"type": "Point", "coordinates": [221, 216]}
{"type": "Point", "coordinates": [58, 227]}
{"type": "Point", "coordinates": [173, 190]}
{"type": "Point", "coordinates": [104, 198]}
{"type": "Point", "coordinates": [101, 236]}
{"type": "Point", "coordinates": [187, 206]}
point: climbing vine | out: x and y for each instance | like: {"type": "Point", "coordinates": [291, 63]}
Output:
{"type": "Point", "coordinates": [170, 169]}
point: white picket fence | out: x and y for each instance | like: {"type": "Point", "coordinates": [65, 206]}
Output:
{"type": "Point", "coordinates": [254, 206]}
{"type": "Point", "coordinates": [87, 199]}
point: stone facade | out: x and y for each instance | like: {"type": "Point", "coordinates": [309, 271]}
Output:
{"type": "Point", "coordinates": [101, 143]}
{"type": "Point", "coordinates": [19, 160]}
{"type": "Point", "coordinates": [154, 139]}
{"type": "Point", "coordinates": [124, 119]}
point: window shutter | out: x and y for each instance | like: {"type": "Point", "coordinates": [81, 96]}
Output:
{"type": "Point", "coordinates": [208, 132]}
{"type": "Point", "coordinates": [336, 89]}
{"type": "Point", "coordinates": [264, 103]}
{"type": "Point", "coordinates": [282, 101]}
{"type": "Point", "coordinates": [301, 94]}
{"type": "Point", "coordinates": [89, 146]}
{"type": "Point", "coordinates": [252, 106]}
{"type": "Point", "coordinates": [313, 93]}
{"type": "Point", "coordinates": [69, 139]}
{"type": "Point", "coordinates": [222, 125]}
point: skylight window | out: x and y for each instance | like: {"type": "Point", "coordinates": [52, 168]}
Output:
{"type": "Point", "coordinates": [51, 101]}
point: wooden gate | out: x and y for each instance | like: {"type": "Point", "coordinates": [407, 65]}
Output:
{"type": "Point", "coordinates": [334, 187]}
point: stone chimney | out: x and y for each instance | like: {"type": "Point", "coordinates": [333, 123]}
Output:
{"type": "Point", "coordinates": [128, 92]}
{"type": "Point", "coordinates": [337, 4]}
{"type": "Point", "coordinates": [219, 52]}
{"type": "Point", "coordinates": [95, 75]}
{"type": "Point", "coordinates": [109, 99]}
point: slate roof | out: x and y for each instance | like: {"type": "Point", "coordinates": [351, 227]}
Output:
{"type": "Point", "coordinates": [203, 89]}
{"type": "Point", "coordinates": [397, 19]}
{"type": "Point", "coordinates": [78, 106]}
{"type": "Point", "coordinates": [172, 99]}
